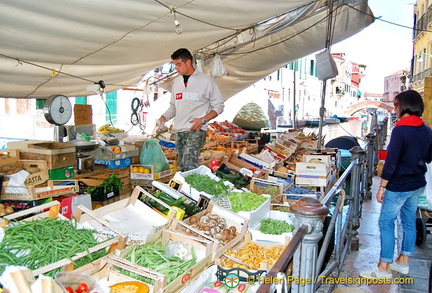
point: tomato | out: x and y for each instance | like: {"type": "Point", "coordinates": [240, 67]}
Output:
{"type": "Point", "coordinates": [217, 284]}
{"type": "Point", "coordinates": [82, 288]}
{"type": "Point", "coordinates": [69, 290]}
{"type": "Point", "coordinates": [241, 287]}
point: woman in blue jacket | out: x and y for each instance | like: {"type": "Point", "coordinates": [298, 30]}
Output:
{"type": "Point", "coordinates": [402, 182]}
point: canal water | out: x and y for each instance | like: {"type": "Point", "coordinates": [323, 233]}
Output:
{"type": "Point", "coordinates": [355, 128]}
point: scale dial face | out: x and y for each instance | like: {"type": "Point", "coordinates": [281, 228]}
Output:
{"type": "Point", "coordinates": [57, 109]}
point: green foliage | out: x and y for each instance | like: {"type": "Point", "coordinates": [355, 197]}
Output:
{"type": "Point", "coordinates": [112, 183]}
{"type": "Point", "coordinates": [204, 183]}
{"type": "Point", "coordinates": [277, 227]}
{"type": "Point", "coordinates": [245, 201]}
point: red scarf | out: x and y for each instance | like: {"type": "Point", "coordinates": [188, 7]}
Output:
{"type": "Point", "coordinates": [411, 120]}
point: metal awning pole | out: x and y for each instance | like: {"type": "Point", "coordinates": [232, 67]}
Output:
{"type": "Point", "coordinates": [321, 115]}
{"type": "Point", "coordinates": [294, 116]}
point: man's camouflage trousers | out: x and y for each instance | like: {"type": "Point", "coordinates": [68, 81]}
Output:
{"type": "Point", "coordinates": [188, 145]}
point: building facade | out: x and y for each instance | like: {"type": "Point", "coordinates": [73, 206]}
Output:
{"type": "Point", "coordinates": [394, 84]}
{"type": "Point", "coordinates": [421, 66]}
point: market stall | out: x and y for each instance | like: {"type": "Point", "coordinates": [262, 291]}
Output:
{"type": "Point", "coordinates": [231, 216]}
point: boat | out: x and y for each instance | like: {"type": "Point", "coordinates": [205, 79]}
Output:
{"type": "Point", "coordinates": [332, 120]}
{"type": "Point", "coordinates": [341, 119]}
{"type": "Point", "coordinates": [302, 123]}
{"type": "Point", "coordinates": [315, 122]}
{"type": "Point", "coordinates": [283, 124]}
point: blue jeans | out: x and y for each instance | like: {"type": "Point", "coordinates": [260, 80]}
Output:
{"type": "Point", "coordinates": [406, 204]}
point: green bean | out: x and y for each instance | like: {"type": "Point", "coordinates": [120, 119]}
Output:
{"type": "Point", "coordinates": [40, 242]}
{"type": "Point", "coordinates": [152, 256]}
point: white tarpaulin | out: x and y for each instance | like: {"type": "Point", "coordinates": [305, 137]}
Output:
{"type": "Point", "coordinates": [61, 47]}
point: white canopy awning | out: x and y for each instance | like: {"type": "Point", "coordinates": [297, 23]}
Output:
{"type": "Point", "coordinates": [63, 46]}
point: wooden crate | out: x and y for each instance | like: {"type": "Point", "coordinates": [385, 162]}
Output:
{"type": "Point", "coordinates": [232, 219]}
{"type": "Point", "coordinates": [66, 264]}
{"type": "Point", "coordinates": [51, 188]}
{"type": "Point", "coordinates": [153, 217]}
{"type": "Point", "coordinates": [221, 256]}
{"type": "Point", "coordinates": [262, 186]}
{"type": "Point", "coordinates": [160, 284]}
{"type": "Point", "coordinates": [9, 157]}
{"type": "Point", "coordinates": [152, 174]}
{"type": "Point", "coordinates": [233, 162]}
{"type": "Point", "coordinates": [57, 155]}
{"type": "Point", "coordinates": [100, 174]}
{"type": "Point", "coordinates": [253, 145]}
{"type": "Point", "coordinates": [107, 268]}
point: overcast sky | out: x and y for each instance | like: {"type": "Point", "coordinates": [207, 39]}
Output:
{"type": "Point", "coordinates": [385, 48]}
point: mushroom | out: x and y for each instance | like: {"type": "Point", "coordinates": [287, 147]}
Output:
{"type": "Point", "coordinates": [212, 223]}
{"type": "Point", "coordinates": [193, 219]}
{"type": "Point", "coordinates": [204, 219]}
{"type": "Point", "coordinates": [214, 217]}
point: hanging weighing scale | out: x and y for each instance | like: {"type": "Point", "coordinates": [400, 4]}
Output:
{"type": "Point", "coordinates": [58, 110]}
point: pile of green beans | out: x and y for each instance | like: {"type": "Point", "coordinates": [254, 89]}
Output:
{"type": "Point", "coordinates": [35, 244]}
{"type": "Point", "coordinates": [153, 256]}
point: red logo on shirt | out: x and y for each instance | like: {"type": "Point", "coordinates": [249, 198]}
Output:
{"type": "Point", "coordinates": [179, 96]}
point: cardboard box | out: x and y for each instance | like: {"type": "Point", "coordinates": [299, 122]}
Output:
{"type": "Point", "coordinates": [192, 192]}
{"type": "Point", "coordinates": [258, 236]}
{"type": "Point", "coordinates": [254, 161]}
{"type": "Point", "coordinates": [289, 198]}
{"type": "Point", "coordinates": [115, 152]}
{"type": "Point", "coordinates": [311, 180]}
{"type": "Point", "coordinates": [257, 215]}
{"type": "Point", "coordinates": [136, 172]}
{"type": "Point", "coordinates": [61, 173]}
{"type": "Point", "coordinates": [38, 177]}
{"type": "Point", "coordinates": [69, 204]}
{"type": "Point", "coordinates": [327, 159]}
{"type": "Point", "coordinates": [312, 169]}
{"type": "Point", "coordinates": [113, 164]}
{"type": "Point", "coordinates": [83, 114]}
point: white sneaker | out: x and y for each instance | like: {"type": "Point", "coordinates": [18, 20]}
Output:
{"type": "Point", "coordinates": [375, 273]}
{"type": "Point", "coordinates": [403, 269]}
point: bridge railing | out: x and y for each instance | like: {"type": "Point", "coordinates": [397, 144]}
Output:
{"type": "Point", "coordinates": [313, 264]}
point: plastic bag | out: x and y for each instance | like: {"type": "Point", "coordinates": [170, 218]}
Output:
{"type": "Point", "coordinates": [152, 154]}
{"type": "Point", "coordinates": [179, 249]}
{"type": "Point", "coordinates": [200, 65]}
{"type": "Point", "coordinates": [217, 69]}
{"type": "Point", "coordinates": [425, 200]}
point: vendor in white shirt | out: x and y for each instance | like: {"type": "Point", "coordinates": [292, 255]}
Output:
{"type": "Point", "coordinates": [195, 100]}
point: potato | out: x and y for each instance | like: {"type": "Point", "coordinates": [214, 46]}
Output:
{"type": "Point", "coordinates": [9, 210]}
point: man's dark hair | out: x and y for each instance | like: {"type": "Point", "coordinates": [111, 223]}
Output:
{"type": "Point", "coordinates": [182, 54]}
{"type": "Point", "coordinates": [410, 102]}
